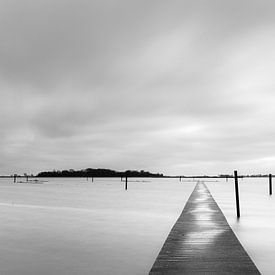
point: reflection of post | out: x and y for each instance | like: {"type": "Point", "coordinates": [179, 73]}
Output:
{"type": "Point", "coordinates": [180, 178]}
{"type": "Point", "coordinates": [92, 179]}
{"type": "Point", "coordinates": [126, 183]}
{"type": "Point", "coordinates": [270, 184]}
{"type": "Point", "coordinates": [237, 194]}
{"type": "Point", "coordinates": [14, 178]}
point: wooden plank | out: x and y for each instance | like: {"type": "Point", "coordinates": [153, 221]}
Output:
{"type": "Point", "coordinates": [202, 242]}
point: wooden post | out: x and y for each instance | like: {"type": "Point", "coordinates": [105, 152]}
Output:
{"type": "Point", "coordinates": [126, 183]}
{"type": "Point", "coordinates": [270, 184]}
{"type": "Point", "coordinates": [92, 179]}
{"type": "Point", "coordinates": [180, 178]}
{"type": "Point", "coordinates": [121, 178]}
{"type": "Point", "coordinates": [237, 193]}
{"type": "Point", "coordinates": [14, 178]}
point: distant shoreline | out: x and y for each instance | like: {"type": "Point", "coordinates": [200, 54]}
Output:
{"type": "Point", "coordinates": [132, 174]}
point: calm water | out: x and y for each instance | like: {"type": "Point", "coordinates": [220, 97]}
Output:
{"type": "Point", "coordinates": [75, 226]}
{"type": "Point", "coordinates": [71, 226]}
{"type": "Point", "coordinates": [256, 227]}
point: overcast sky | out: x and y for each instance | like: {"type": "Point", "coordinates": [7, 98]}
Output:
{"type": "Point", "coordinates": [178, 87]}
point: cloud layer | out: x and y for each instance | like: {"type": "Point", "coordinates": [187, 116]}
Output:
{"type": "Point", "coordinates": [181, 87]}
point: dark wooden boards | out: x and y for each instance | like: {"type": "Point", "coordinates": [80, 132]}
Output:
{"type": "Point", "coordinates": [202, 242]}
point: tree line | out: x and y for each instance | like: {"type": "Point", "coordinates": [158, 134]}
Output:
{"type": "Point", "coordinates": [99, 172]}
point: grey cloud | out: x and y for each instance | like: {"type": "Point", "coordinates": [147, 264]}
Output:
{"type": "Point", "coordinates": [150, 84]}
{"type": "Point", "coordinates": [47, 42]}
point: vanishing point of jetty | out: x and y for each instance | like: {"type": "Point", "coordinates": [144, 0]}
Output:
{"type": "Point", "coordinates": [202, 242]}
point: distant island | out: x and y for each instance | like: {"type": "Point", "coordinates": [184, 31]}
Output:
{"type": "Point", "coordinates": [99, 172]}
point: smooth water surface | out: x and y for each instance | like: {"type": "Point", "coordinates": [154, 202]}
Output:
{"type": "Point", "coordinates": [74, 226]}
{"type": "Point", "coordinates": [256, 227]}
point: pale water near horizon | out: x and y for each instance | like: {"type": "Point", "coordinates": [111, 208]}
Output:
{"type": "Point", "coordinates": [75, 226]}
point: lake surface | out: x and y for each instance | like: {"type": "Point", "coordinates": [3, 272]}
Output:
{"type": "Point", "coordinates": [75, 226]}
{"type": "Point", "coordinates": [256, 226]}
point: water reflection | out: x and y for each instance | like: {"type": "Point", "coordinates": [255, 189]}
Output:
{"type": "Point", "coordinates": [206, 228]}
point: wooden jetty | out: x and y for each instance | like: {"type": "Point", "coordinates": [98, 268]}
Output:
{"type": "Point", "coordinates": [202, 242]}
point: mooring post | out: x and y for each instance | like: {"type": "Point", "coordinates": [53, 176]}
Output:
{"type": "Point", "coordinates": [126, 183]}
{"type": "Point", "coordinates": [180, 178]}
{"type": "Point", "coordinates": [270, 184]}
{"type": "Point", "coordinates": [92, 179]}
{"type": "Point", "coordinates": [237, 193]}
{"type": "Point", "coordinates": [14, 178]}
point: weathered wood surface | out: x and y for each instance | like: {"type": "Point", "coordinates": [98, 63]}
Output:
{"type": "Point", "coordinates": [202, 242]}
